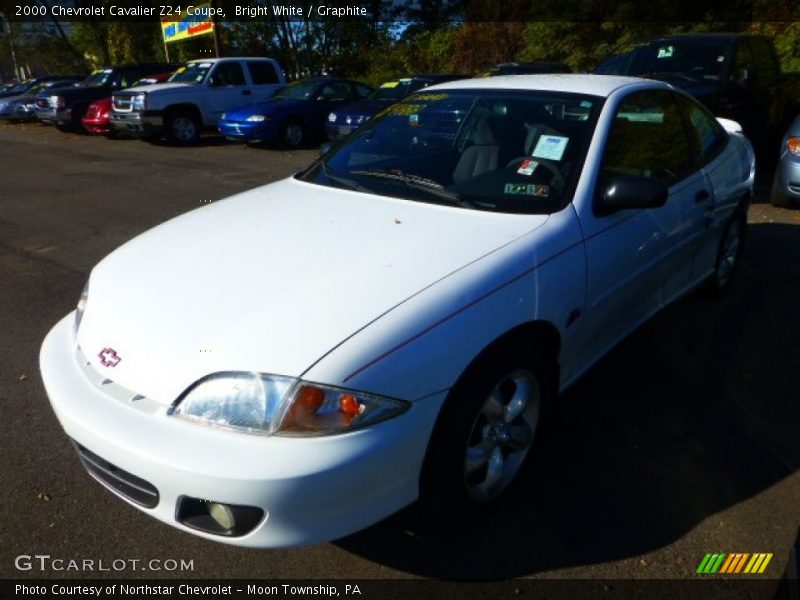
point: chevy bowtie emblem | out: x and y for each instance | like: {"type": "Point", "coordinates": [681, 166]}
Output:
{"type": "Point", "coordinates": [109, 358]}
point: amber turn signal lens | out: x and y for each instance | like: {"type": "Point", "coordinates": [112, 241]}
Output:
{"type": "Point", "coordinates": [793, 145]}
{"type": "Point", "coordinates": [350, 406]}
{"type": "Point", "coordinates": [308, 399]}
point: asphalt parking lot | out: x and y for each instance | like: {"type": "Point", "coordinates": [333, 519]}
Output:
{"type": "Point", "coordinates": [682, 441]}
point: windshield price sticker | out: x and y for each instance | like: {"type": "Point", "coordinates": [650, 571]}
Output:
{"type": "Point", "coordinates": [390, 84]}
{"type": "Point", "coordinates": [550, 147]}
{"type": "Point", "coordinates": [527, 167]}
{"type": "Point", "coordinates": [666, 52]}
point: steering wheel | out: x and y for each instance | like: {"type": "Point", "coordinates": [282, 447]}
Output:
{"type": "Point", "coordinates": [551, 166]}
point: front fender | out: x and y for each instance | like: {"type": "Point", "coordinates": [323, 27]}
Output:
{"type": "Point", "coordinates": [422, 346]}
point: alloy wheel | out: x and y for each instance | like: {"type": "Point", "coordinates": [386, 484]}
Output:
{"type": "Point", "coordinates": [501, 435]}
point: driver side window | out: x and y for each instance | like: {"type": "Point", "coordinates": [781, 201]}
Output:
{"type": "Point", "coordinates": [648, 138]}
{"type": "Point", "coordinates": [336, 90]}
{"type": "Point", "coordinates": [229, 73]}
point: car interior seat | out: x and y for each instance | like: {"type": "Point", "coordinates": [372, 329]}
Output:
{"type": "Point", "coordinates": [481, 156]}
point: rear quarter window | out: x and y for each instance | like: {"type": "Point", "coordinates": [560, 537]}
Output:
{"type": "Point", "coordinates": [262, 72]}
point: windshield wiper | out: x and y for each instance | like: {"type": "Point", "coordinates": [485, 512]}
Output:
{"type": "Point", "coordinates": [348, 183]}
{"type": "Point", "coordinates": [417, 183]}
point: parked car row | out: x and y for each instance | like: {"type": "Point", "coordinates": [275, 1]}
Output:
{"type": "Point", "coordinates": [21, 105]}
{"type": "Point", "coordinates": [245, 99]}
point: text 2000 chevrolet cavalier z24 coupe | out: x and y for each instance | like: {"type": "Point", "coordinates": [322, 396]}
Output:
{"type": "Point", "coordinates": [299, 361]}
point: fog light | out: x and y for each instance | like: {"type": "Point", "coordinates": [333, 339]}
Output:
{"type": "Point", "coordinates": [222, 514]}
{"type": "Point", "coordinates": [231, 520]}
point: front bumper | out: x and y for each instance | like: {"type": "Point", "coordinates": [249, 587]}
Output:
{"type": "Point", "coordinates": [788, 175]}
{"type": "Point", "coordinates": [311, 489]}
{"type": "Point", "coordinates": [63, 117]}
{"type": "Point", "coordinates": [46, 115]}
{"type": "Point", "coordinates": [337, 131]}
{"type": "Point", "coordinates": [138, 124]}
{"type": "Point", "coordinates": [101, 126]}
{"type": "Point", "coordinates": [248, 132]}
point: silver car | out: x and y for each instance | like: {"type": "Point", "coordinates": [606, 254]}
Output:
{"type": "Point", "coordinates": [786, 183]}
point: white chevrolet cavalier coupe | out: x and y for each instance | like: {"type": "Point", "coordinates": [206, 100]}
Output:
{"type": "Point", "coordinates": [299, 361]}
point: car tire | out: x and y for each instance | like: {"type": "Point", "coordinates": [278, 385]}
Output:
{"type": "Point", "coordinates": [182, 127]}
{"type": "Point", "coordinates": [293, 133]}
{"type": "Point", "coordinates": [728, 253]}
{"type": "Point", "coordinates": [485, 431]}
{"type": "Point", "coordinates": [78, 112]}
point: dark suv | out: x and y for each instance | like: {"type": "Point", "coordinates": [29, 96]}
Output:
{"type": "Point", "coordinates": [67, 106]}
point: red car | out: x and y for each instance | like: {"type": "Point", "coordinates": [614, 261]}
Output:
{"type": "Point", "coordinates": [96, 120]}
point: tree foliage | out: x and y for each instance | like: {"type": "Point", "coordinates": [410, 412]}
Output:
{"type": "Point", "coordinates": [461, 36]}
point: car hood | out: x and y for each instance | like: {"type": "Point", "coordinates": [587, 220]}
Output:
{"type": "Point", "coordinates": [365, 107]}
{"type": "Point", "coordinates": [15, 99]}
{"type": "Point", "coordinates": [162, 88]}
{"type": "Point", "coordinates": [271, 280]}
{"type": "Point", "coordinates": [696, 88]}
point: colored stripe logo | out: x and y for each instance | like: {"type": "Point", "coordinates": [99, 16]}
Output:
{"type": "Point", "coordinates": [734, 563]}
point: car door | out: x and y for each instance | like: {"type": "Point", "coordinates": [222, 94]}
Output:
{"type": "Point", "coordinates": [631, 252]}
{"type": "Point", "coordinates": [228, 89]}
{"type": "Point", "coordinates": [264, 79]}
{"type": "Point", "coordinates": [741, 102]}
{"type": "Point", "coordinates": [699, 213]}
{"type": "Point", "coordinates": [766, 75]}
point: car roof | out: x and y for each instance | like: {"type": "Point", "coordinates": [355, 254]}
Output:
{"type": "Point", "coordinates": [595, 85]}
{"type": "Point", "coordinates": [228, 58]}
{"type": "Point", "coordinates": [702, 37]}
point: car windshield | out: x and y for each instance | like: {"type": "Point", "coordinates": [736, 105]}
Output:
{"type": "Point", "coordinates": [21, 87]}
{"type": "Point", "coordinates": [397, 89]}
{"type": "Point", "coordinates": [300, 90]}
{"type": "Point", "coordinates": [680, 59]}
{"type": "Point", "coordinates": [194, 73]}
{"type": "Point", "coordinates": [504, 151]}
{"type": "Point", "coordinates": [98, 78]}
{"type": "Point", "coordinates": [39, 87]}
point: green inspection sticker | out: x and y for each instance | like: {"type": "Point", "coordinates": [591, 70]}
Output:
{"type": "Point", "coordinates": [527, 189]}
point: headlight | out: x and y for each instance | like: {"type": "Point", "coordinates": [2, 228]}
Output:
{"type": "Point", "coordinates": [793, 145]}
{"type": "Point", "coordinates": [139, 101]}
{"type": "Point", "coordinates": [256, 118]}
{"type": "Point", "coordinates": [332, 118]}
{"type": "Point", "coordinates": [273, 405]}
{"type": "Point", "coordinates": [81, 306]}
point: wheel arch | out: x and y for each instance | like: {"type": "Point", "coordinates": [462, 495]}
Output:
{"type": "Point", "coordinates": [541, 337]}
{"type": "Point", "coordinates": [185, 107]}
{"type": "Point", "coordinates": [544, 341]}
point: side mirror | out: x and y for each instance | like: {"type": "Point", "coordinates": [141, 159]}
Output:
{"type": "Point", "coordinates": [621, 192]}
{"type": "Point", "coordinates": [323, 149]}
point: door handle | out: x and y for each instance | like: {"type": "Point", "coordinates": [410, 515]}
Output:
{"type": "Point", "coordinates": [701, 196]}
{"type": "Point", "coordinates": [246, 92]}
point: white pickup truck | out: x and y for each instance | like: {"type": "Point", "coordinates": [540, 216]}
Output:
{"type": "Point", "coordinates": [195, 97]}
